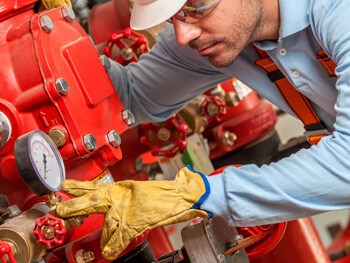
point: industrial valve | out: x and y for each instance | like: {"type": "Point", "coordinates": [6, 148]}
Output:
{"type": "Point", "coordinates": [213, 108]}
{"type": "Point", "coordinates": [169, 138]}
{"type": "Point", "coordinates": [130, 44]}
{"type": "Point", "coordinates": [49, 231]}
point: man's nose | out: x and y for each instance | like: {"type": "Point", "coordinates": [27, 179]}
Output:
{"type": "Point", "coordinates": [185, 32]}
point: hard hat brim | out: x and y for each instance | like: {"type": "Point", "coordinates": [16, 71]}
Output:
{"type": "Point", "coordinates": [152, 14]}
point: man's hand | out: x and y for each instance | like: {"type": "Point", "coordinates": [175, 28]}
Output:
{"type": "Point", "coordinates": [131, 207]}
{"type": "Point", "coordinates": [45, 4]}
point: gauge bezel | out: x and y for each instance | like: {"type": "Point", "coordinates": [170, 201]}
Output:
{"type": "Point", "coordinates": [27, 168]}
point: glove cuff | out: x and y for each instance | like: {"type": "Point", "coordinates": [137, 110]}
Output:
{"type": "Point", "coordinates": [207, 190]}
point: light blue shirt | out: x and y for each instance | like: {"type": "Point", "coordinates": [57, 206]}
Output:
{"type": "Point", "coordinates": [308, 182]}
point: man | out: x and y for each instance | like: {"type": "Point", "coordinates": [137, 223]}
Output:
{"type": "Point", "coordinates": [206, 47]}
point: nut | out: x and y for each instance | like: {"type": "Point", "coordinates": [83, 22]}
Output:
{"type": "Point", "coordinates": [114, 138]}
{"type": "Point", "coordinates": [128, 117]}
{"type": "Point", "coordinates": [90, 142]}
{"type": "Point", "coordinates": [46, 24]}
{"type": "Point", "coordinates": [62, 86]}
{"type": "Point", "coordinates": [68, 14]}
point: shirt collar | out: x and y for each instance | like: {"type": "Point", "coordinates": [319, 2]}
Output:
{"type": "Point", "coordinates": [294, 18]}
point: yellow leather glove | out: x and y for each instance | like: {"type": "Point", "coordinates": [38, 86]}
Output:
{"type": "Point", "coordinates": [131, 207]}
{"type": "Point", "coordinates": [45, 4]}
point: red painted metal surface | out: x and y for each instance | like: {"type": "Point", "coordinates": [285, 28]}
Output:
{"type": "Point", "coordinates": [107, 18]}
{"type": "Point", "coordinates": [32, 60]}
{"type": "Point", "coordinates": [340, 242]}
{"type": "Point", "coordinates": [300, 243]}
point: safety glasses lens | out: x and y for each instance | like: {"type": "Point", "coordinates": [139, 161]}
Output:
{"type": "Point", "coordinates": [195, 10]}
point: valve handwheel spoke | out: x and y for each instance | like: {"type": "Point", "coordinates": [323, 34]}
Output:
{"type": "Point", "coordinates": [5, 249]}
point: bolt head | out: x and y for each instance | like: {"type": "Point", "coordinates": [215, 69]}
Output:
{"type": "Point", "coordinates": [46, 24]}
{"type": "Point", "coordinates": [68, 13]}
{"type": "Point", "coordinates": [13, 210]}
{"type": "Point", "coordinates": [62, 86]}
{"type": "Point", "coordinates": [114, 138]}
{"type": "Point", "coordinates": [105, 62]}
{"type": "Point", "coordinates": [128, 117]}
{"type": "Point", "coordinates": [90, 142]}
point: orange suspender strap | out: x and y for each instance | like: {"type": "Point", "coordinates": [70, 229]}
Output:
{"type": "Point", "coordinates": [315, 128]}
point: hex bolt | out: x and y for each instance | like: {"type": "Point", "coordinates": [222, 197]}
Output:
{"type": "Point", "coordinates": [68, 14]}
{"type": "Point", "coordinates": [13, 210]}
{"type": "Point", "coordinates": [62, 86]}
{"type": "Point", "coordinates": [90, 142]}
{"type": "Point", "coordinates": [228, 138]}
{"type": "Point", "coordinates": [105, 62]}
{"type": "Point", "coordinates": [88, 256]}
{"type": "Point", "coordinates": [128, 117]}
{"type": "Point", "coordinates": [114, 138]}
{"type": "Point", "coordinates": [46, 24]}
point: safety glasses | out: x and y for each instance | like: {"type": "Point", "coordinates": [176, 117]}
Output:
{"type": "Point", "coordinates": [195, 10]}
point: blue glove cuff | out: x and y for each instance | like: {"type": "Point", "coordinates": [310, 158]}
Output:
{"type": "Point", "coordinates": [207, 191]}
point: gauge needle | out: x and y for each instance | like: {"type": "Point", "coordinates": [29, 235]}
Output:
{"type": "Point", "coordinates": [44, 155]}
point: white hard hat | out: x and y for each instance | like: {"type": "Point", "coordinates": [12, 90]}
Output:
{"type": "Point", "coordinates": [148, 13]}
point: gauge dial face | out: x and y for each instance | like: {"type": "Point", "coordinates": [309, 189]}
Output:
{"type": "Point", "coordinates": [45, 161]}
{"type": "Point", "coordinates": [39, 162]}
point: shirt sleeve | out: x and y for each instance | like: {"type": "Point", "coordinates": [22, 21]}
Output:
{"type": "Point", "coordinates": [165, 80]}
{"type": "Point", "coordinates": [310, 181]}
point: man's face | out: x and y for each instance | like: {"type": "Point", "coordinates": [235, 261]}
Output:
{"type": "Point", "coordinates": [224, 33]}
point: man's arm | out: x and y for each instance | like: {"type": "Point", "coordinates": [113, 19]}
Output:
{"type": "Point", "coordinates": [311, 181]}
{"type": "Point", "coordinates": [164, 80]}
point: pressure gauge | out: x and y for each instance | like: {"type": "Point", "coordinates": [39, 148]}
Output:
{"type": "Point", "coordinates": [39, 162]}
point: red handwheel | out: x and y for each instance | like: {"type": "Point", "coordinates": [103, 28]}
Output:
{"type": "Point", "coordinates": [49, 231]}
{"type": "Point", "coordinates": [128, 52]}
{"type": "Point", "coordinates": [165, 140]}
{"type": "Point", "coordinates": [213, 108]}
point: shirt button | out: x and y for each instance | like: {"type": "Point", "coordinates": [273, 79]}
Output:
{"type": "Point", "coordinates": [296, 74]}
{"type": "Point", "coordinates": [283, 52]}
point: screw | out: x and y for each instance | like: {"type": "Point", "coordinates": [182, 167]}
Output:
{"type": "Point", "coordinates": [114, 138]}
{"type": "Point", "coordinates": [90, 142]}
{"type": "Point", "coordinates": [208, 223]}
{"type": "Point", "coordinates": [13, 210]}
{"type": "Point", "coordinates": [68, 14]}
{"type": "Point", "coordinates": [105, 62]}
{"type": "Point", "coordinates": [46, 24]}
{"type": "Point", "coordinates": [62, 86]}
{"type": "Point", "coordinates": [221, 258]}
{"type": "Point", "coordinates": [48, 232]}
{"type": "Point", "coordinates": [128, 117]}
